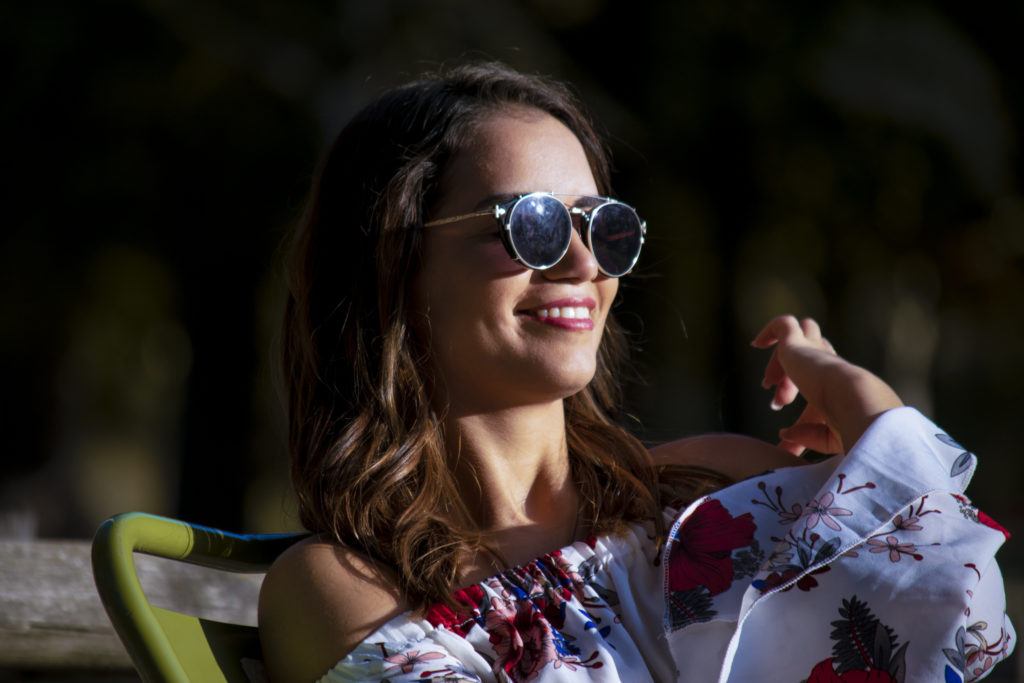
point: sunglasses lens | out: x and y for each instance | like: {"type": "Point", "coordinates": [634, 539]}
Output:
{"type": "Point", "coordinates": [540, 229]}
{"type": "Point", "coordinates": [616, 236]}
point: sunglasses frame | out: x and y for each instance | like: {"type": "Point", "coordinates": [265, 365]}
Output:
{"type": "Point", "coordinates": [503, 214]}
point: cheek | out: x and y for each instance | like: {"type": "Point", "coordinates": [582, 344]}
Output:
{"type": "Point", "coordinates": [458, 302]}
{"type": "Point", "coordinates": [475, 256]}
{"type": "Point", "coordinates": [608, 288]}
{"type": "Point", "coordinates": [494, 262]}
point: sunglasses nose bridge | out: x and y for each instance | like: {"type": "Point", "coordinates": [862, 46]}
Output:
{"type": "Point", "coordinates": [580, 218]}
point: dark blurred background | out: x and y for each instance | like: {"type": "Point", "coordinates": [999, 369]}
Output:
{"type": "Point", "coordinates": [859, 162]}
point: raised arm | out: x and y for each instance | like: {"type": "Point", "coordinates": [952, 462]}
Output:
{"type": "Point", "coordinates": [842, 399]}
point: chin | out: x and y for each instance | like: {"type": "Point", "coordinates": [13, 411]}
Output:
{"type": "Point", "coordinates": [573, 384]}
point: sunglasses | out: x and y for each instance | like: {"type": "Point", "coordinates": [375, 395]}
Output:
{"type": "Point", "coordinates": [536, 230]}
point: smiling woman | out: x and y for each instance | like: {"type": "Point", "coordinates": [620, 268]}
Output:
{"type": "Point", "coordinates": [502, 336]}
{"type": "Point", "coordinates": [451, 360]}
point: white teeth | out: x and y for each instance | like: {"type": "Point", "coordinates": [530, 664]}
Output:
{"type": "Point", "coordinates": [568, 312]}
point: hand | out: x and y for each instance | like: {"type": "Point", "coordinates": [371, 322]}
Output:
{"type": "Point", "coordinates": [842, 399]}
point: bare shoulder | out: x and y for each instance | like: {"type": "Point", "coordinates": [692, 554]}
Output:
{"type": "Point", "coordinates": [737, 457]}
{"type": "Point", "coordinates": [318, 601]}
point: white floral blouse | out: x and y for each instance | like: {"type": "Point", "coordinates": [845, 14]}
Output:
{"type": "Point", "coordinates": [873, 567]}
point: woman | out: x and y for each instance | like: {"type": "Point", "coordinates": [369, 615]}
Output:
{"type": "Point", "coordinates": [451, 361]}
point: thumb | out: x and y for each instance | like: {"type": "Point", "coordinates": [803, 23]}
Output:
{"type": "Point", "coordinates": [815, 436]}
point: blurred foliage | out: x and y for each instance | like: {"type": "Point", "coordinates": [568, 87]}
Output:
{"type": "Point", "coordinates": [854, 161]}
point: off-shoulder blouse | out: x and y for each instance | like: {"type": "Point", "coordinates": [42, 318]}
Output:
{"type": "Point", "coordinates": [873, 566]}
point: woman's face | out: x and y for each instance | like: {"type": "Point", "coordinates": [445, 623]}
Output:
{"type": "Point", "coordinates": [500, 334]}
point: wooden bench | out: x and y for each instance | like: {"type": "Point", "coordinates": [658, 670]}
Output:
{"type": "Point", "coordinates": [51, 618]}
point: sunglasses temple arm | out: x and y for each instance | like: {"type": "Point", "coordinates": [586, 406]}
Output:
{"type": "Point", "coordinates": [461, 217]}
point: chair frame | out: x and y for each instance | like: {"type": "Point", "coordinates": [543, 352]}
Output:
{"type": "Point", "coordinates": [166, 646]}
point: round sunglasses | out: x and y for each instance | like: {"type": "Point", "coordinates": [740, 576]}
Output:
{"type": "Point", "coordinates": [536, 230]}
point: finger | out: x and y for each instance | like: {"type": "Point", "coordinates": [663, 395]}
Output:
{"type": "Point", "coordinates": [792, 447]}
{"type": "Point", "coordinates": [812, 431]}
{"type": "Point", "coordinates": [785, 393]}
{"type": "Point", "coordinates": [781, 329]}
{"type": "Point", "coordinates": [809, 415]}
{"type": "Point", "coordinates": [776, 330]}
{"type": "Point", "coordinates": [816, 437]}
{"type": "Point", "coordinates": [773, 371]}
{"type": "Point", "coordinates": [811, 329]}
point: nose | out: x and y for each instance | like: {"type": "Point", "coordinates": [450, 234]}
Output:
{"type": "Point", "coordinates": [578, 264]}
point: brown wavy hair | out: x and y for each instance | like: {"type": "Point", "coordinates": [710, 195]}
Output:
{"type": "Point", "coordinates": [367, 448]}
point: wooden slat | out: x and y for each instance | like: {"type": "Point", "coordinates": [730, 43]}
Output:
{"type": "Point", "coordinates": [51, 615]}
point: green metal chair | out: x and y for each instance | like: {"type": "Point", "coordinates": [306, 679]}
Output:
{"type": "Point", "coordinates": [166, 645]}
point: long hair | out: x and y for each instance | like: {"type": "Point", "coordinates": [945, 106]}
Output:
{"type": "Point", "coordinates": [367, 449]}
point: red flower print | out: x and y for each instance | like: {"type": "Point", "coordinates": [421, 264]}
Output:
{"type": "Point", "coordinates": [992, 524]}
{"type": "Point", "coordinates": [567, 569]}
{"type": "Point", "coordinates": [521, 637]}
{"type": "Point", "coordinates": [804, 583]}
{"type": "Point", "coordinates": [824, 673]}
{"type": "Point", "coordinates": [701, 552]}
{"type": "Point", "coordinates": [974, 514]}
{"type": "Point", "coordinates": [458, 621]}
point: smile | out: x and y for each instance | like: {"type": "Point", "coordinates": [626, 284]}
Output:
{"type": "Point", "coordinates": [573, 313]}
{"type": "Point", "coordinates": [566, 312]}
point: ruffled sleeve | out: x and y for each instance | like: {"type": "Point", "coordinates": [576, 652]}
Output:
{"type": "Point", "coordinates": [871, 564]}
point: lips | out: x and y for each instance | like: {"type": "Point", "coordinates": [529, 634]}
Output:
{"type": "Point", "coordinates": [571, 313]}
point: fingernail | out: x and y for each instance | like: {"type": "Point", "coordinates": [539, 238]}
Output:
{"type": "Point", "coordinates": [776, 406]}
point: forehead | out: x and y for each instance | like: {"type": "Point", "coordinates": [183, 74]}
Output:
{"type": "Point", "coordinates": [516, 151]}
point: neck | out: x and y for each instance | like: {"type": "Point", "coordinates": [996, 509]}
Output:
{"type": "Point", "coordinates": [513, 470]}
